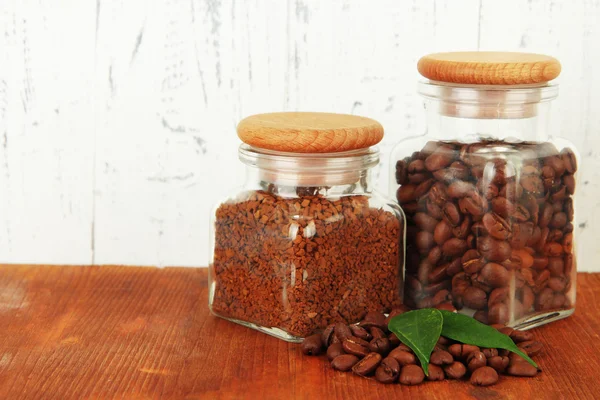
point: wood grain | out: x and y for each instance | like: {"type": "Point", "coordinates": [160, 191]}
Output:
{"type": "Point", "coordinates": [146, 333]}
{"type": "Point", "coordinates": [309, 132]}
{"type": "Point", "coordinates": [489, 68]}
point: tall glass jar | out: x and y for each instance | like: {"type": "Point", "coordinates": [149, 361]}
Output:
{"type": "Point", "coordinates": [488, 192]}
{"type": "Point", "coordinates": [306, 241]}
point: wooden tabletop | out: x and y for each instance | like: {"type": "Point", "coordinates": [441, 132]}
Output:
{"type": "Point", "coordinates": [146, 333]}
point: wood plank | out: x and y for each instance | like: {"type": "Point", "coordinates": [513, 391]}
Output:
{"type": "Point", "coordinates": [146, 333]}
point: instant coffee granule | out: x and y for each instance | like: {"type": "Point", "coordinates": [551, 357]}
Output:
{"type": "Point", "coordinates": [299, 264]}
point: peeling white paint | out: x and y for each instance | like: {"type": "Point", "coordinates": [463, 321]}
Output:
{"type": "Point", "coordinates": [117, 119]}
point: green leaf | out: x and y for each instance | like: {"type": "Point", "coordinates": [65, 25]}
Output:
{"type": "Point", "coordinates": [419, 330]}
{"type": "Point", "coordinates": [468, 330]}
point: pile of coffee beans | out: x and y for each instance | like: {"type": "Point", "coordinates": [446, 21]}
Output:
{"type": "Point", "coordinates": [489, 228]}
{"type": "Point", "coordinates": [301, 263]}
{"type": "Point", "coordinates": [368, 349]}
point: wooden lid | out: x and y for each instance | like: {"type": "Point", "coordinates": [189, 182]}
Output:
{"type": "Point", "coordinates": [309, 132]}
{"type": "Point", "coordinates": [489, 68]}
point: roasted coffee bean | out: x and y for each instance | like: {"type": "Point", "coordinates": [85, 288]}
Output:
{"type": "Point", "coordinates": [411, 375]}
{"type": "Point", "coordinates": [374, 318]}
{"type": "Point", "coordinates": [458, 189]}
{"type": "Point", "coordinates": [454, 247]}
{"type": "Point", "coordinates": [481, 316]}
{"type": "Point", "coordinates": [344, 362]}
{"type": "Point", "coordinates": [496, 226]}
{"type": "Point", "coordinates": [312, 345]}
{"type": "Point", "coordinates": [531, 347]}
{"type": "Point", "coordinates": [377, 332]}
{"type": "Point", "coordinates": [342, 331]}
{"type": "Point", "coordinates": [484, 376]}
{"type": "Point", "coordinates": [360, 332]}
{"type": "Point", "coordinates": [357, 340]}
{"type": "Point", "coordinates": [474, 298]}
{"type": "Point", "coordinates": [403, 357]}
{"type": "Point", "coordinates": [440, 158]}
{"type": "Point", "coordinates": [557, 283]}
{"type": "Point", "coordinates": [388, 371]}
{"type": "Point", "coordinates": [569, 160]}
{"type": "Point", "coordinates": [441, 357]}
{"type": "Point", "coordinates": [556, 266]}
{"type": "Point", "coordinates": [401, 172]}
{"type": "Point", "coordinates": [492, 249]}
{"type": "Point", "coordinates": [394, 341]}
{"type": "Point", "coordinates": [498, 313]}
{"type": "Point", "coordinates": [424, 241]}
{"type": "Point", "coordinates": [425, 222]}
{"type": "Point", "coordinates": [494, 275]}
{"type": "Point", "coordinates": [367, 365]}
{"type": "Point", "coordinates": [456, 370]}
{"type": "Point", "coordinates": [327, 334]}
{"type": "Point", "coordinates": [354, 348]}
{"type": "Point", "coordinates": [521, 368]}
{"type": "Point", "coordinates": [436, 373]}
{"type": "Point", "coordinates": [472, 262]}
{"type": "Point", "coordinates": [334, 350]}
{"type": "Point", "coordinates": [476, 360]}
{"type": "Point", "coordinates": [451, 214]}
{"type": "Point", "coordinates": [461, 351]}
{"type": "Point", "coordinates": [520, 336]}
{"type": "Point", "coordinates": [381, 346]}
{"type": "Point", "coordinates": [498, 363]}
{"type": "Point", "coordinates": [489, 353]}
{"type": "Point", "coordinates": [442, 232]}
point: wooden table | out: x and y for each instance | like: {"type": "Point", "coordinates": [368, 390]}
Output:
{"type": "Point", "coordinates": [145, 333]}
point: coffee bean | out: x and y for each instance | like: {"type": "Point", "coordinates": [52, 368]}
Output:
{"type": "Point", "coordinates": [441, 357]}
{"type": "Point", "coordinates": [380, 345]}
{"type": "Point", "coordinates": [367, 365]}
{"type": "Point", "coordinates": [498, 313]}
{"type": "Point", "coordinates": [388, 371]}
{"type": "Point", "coordinates": [461, 351]}
{"type": "Point", "coordinates": [498, 363]}
{"type": "Point", "coordinates": [481, 316]}
{"type": "Point", "coordinates": [531, 347]}
{"type": "Point", "coordinates": [360, 332]}
{"type": "Point", "coordinates": [344, 362]}
{"type": "Point", "coordinates": [569, 160]}
{"type": "Point", "coordinates": [492, 249]}
{"type": "Point", "coordinates": [436, 373]}
{"type": "Point", "coordinates": [312, 345]}
{"type": "Point", "coordinates": [521, 368]}
{"type": "Point", "coordinates": [334, 350]}
{"type": "Point", "coordinates": [377, 332]}
{"type": "Point", "coordinates": [496, 226]}
{"type": "Point", "coordinates": [440, 158]}
{"type": "Point", "coordinates": [425, 222]}
{"type": "Point", "coordinates": [394, 341]}
{"type": "Point", "coordinates": [520, 336]}
{"type": "Point", "coordinates": [451, 214]}
{"type": "Point", "coordinates": [456, 370]}
{"type": "Point", "coordinates": [342, 331]}
{"type": "Point", "coordinates": [458, 189]}
{"type": "Point", "coordinates": [424, 241]}
{"type": "Point", "coordinates": [327, 334]}
{"type": "Point", "coordinates": [489, 353]}
{"type": "Point", "coordinates": [401, 172]}
{"type": "Point", "coordinates": [442, 232]}
{"type": "Point", "coordinates": [484, 376]}
{"type": "Point", "coordinates": [354, 348]}
{"type": "Point", "coordinates": [411, 375]}
{"type": "Point", "coordinates": [374, 318]}
{"type": "Point", "coordinates": [476, 360]}
{"type": "Point", "coordinates": [454, 247]}
{"type": "Point", "coordinates": [403, 357]}
{"type": "Point", "coordinates": [475, 298]}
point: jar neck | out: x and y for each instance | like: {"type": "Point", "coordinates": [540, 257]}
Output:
{"type": "Point", "coordinates": [309, 173]}
{"type": "Point", "coordinates": [471, 113]}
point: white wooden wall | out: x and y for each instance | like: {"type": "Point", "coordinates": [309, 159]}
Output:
{"type": "Point", "coordinates": [117, 118]}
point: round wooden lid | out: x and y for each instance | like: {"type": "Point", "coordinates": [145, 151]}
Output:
{"type": "Point", "coordinates": [309, 132]}
{"type": "Point", "coordinates": [489, 68]}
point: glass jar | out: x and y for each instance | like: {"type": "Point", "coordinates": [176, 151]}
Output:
{"type": "Point", "coordinates": [306, 241]}
{"type": "Point", "coordinates": [489, 200]}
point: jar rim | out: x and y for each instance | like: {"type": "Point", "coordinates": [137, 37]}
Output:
{"type": "Point", "coordinates": [351, 160]}
{"type": "Point", "coordinates": [487, 94]}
